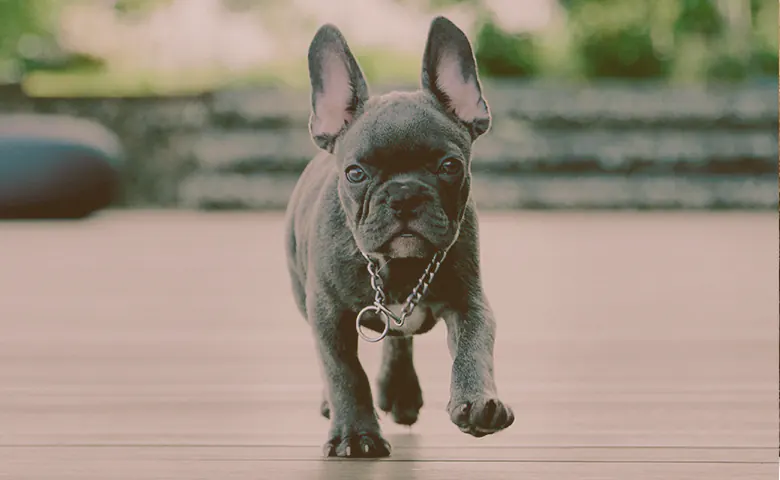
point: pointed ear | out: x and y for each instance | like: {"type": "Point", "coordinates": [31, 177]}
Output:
{"type": "Point", "coordinates": [338, 88]}
{"type": "Point", "coordinates": [450, 72]}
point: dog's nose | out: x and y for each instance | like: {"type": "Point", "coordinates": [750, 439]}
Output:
{"type": "Point", "coordinates": [404, 199]}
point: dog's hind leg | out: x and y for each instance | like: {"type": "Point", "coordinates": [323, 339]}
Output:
{"type": "Point", "coordinates": [399, 389]}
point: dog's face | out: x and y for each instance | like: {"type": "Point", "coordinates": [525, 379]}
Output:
{"type": "Point", "coordinates": [404, 158]}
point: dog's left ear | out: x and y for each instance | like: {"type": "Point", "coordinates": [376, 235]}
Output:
{"type": "Point", "coordinates": [450, 72]}
{"type": "Point", "coordinates": [338, 88]}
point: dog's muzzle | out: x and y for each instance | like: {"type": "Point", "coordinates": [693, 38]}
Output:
{"type": "Point", "coordinates": [406, 199]}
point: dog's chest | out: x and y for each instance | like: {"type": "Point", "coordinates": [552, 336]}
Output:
{"type": "Point", "coordinates": [400, 279]}
{"type": "Point", "coordinates": [413, 322]}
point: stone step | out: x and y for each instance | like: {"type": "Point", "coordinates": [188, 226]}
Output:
{"type": "Point", "coordinates": [540, 128]}
{"type": "Point", "coordinates": [213, 190]}
{"type": "Point", "coordinates": [611, 104]}
{"type": "Point", "coordinates": [511, 147]}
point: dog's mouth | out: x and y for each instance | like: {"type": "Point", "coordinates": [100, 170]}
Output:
{"type": "Point", "coordinates": [407, 243]}
{"type": "Point", "coordinates": [408, 234]}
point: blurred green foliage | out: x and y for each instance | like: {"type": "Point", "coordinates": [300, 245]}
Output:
{"type": "Point", "coordinates": [700, 17]}
{"type": "Point", "coordinates": [28, 41]}
{"type": "Point", "coordinates": [688, 40]}
{"type": "Point", "coordinates": [614, 39]}
{"type": "Point", "coordinates": [24, 26]}
{"type": "Point", "coordinates": [674, 40]}
{"type": "Point", "coordinates": [134, 7]}
{"type": "Point", "coordinates": [501, 54]}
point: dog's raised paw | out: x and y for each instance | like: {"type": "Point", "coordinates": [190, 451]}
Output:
{"type": "Point", "coordinates": [399, 394]}
{"type": "Point", "coordinates": [481, 417]}
{"type": "Point", "coordinates": [357, 445]}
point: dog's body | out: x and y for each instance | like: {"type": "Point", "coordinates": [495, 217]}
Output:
{"type": "Point", "coordinates": [393, 184]}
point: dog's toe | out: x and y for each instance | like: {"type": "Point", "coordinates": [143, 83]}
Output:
{"type": "Point", "coordinates": [357, 445]}
{"type": "Point", "coordinates": [482, 417]}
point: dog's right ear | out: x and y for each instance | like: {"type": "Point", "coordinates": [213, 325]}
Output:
{"type": "Point", "coordinates": [338, 88]}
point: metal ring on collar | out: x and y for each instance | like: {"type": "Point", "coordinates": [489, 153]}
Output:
{"type": "Point", "coordinates": [382, 317]}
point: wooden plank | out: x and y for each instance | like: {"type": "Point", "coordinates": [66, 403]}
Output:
{"type": "Point", "coordinates": [630, 345]}
{"type": "Point", "coordinates": [407, 448]}
{"type": "Point", "coordinates": [171, 464]}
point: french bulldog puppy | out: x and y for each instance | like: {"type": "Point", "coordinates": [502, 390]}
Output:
{"type": "Point", "coordinates": [391, 186]}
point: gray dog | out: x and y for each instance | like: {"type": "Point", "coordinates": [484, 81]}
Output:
{"type": "Point", "coordinates": [384, 208]}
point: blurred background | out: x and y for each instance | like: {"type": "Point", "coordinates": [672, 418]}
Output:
{"type": "Point", "coordinates": [597, 103]}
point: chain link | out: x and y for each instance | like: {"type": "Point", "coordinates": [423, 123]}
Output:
{"type": "Point", "coordinates": [376, 282]}
{"type": "Point", "coordinates": [414, 298]}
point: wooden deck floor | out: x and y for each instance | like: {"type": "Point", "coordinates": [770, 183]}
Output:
{"type": "Point", "coordinates": [166, 345]}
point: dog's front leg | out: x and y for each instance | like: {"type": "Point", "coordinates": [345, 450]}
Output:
{"type": "Point", "coordinates": [354, 430]}
{"type": "Point", "coordinates": [474, 405]}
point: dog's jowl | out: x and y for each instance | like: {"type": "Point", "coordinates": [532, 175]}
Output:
{"type": "Point", "coordinates": [383, 218]}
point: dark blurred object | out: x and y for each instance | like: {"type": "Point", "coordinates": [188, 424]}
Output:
{"type": "Point", "coordinates": [56, 167]}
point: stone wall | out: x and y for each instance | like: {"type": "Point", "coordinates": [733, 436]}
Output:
{"type": "Point", "coordinates": [551, 146]}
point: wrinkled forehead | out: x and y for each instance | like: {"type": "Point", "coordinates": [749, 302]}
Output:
{"type": "Point", "coordinates": [403, 125]}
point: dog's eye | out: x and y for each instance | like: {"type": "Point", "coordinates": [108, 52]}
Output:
{"type": "Point", "coordinates": [450, 167]}
{"type": "Point", "coordinates": [355, 174]}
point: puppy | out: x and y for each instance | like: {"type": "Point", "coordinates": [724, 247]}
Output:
{"type": "Point", "coordinates": [382, 217]}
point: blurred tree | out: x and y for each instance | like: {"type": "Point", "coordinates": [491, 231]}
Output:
{"type": "Point", "coordinates": [736, 38]}
{"type": "Point", "coordinates": [22, 23]}
{"type": "Point", "coordinates": [499, 53]}
{"type": "Point", "coordinates": [700, 17]}
{"type": "Point", "coordinates": [691, 40]}
{"type": "Point", "coordinates": [502, 54]}
{"type": "Point", "coordinates": [764, 33]}
{"type": "Point", "coordinates": [614, 38]}
{"type": "Point", "coordinates": [138, 7]}
{"type": "Point", "coordinates": [28, 40]}
{"type": "Point", "coordinates": [631, 39]}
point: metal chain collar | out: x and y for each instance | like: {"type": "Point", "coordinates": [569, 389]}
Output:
{"type": "Point", "coordinates": [411, 302]}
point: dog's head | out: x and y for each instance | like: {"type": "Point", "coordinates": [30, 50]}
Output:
{"type": "Point", "coordinates": [404, 158]}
